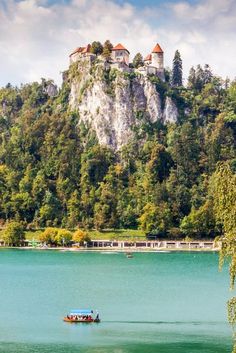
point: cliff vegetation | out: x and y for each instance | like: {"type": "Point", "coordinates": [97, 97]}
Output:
{"type": "Point", "coordinates": [114, 149]}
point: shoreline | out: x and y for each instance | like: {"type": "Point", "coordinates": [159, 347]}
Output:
{"type": "Point", "coordinates": [112, 250]}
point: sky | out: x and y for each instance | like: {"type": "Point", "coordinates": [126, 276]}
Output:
{"type": "Point", "coordinates": [37, 36]}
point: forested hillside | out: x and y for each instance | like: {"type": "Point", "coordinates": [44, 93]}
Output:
{"type": "Point", "coordinates": [54, 172]}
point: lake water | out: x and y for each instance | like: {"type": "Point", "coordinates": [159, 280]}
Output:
{"type": "Point", "coordinates": [154, 302]}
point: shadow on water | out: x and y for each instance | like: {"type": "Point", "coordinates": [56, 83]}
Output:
{"type": "Point", "coordinates": [189, 323]}
{"type": "Point", "coordinates": [190, 347]}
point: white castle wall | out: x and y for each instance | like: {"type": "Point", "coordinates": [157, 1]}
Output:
{"type": "Point", "coordinates": [157, 60]}
{"type": "Point", "coordinates": [120, 55]}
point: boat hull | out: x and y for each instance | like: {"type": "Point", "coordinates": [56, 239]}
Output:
{"type": "Point", "coordinates": [65, 319]}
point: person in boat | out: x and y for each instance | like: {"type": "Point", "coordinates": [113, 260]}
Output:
{"type": "Point", "coordinates": [97, 317]}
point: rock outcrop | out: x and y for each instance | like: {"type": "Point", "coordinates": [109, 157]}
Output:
{"type": "Point", "coordinates": [113, 101]}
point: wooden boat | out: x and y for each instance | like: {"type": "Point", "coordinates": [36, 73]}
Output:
{"type": "Point", "coordinates": [82, 316]}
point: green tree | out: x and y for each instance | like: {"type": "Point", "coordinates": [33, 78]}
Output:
{"type": "Point", "coordinates": [219, 139]}
{"type": "Point", "coordinates": [199, 223]}
{"type": "Point", "coordinates": [207, 75]}
{"type": "Point", "coordinates": [96, 48]}
{"type": "Point", "coordinates": [107, 49]}
{"type": "Point", "coordinates": [177, 70]}
{"type": "Point", "coordinates": [156, 219]}
{"type": "Point", "coordinates": [95, 164]}
{"type": "Point", "coordinates": [48, 235]}
{"type": "Point", "coordinates": [179, 196]}
{"type": "Point", "coordinates": [159, 161]}
{"type": "Point", "coordinates": [138, 61]}
{"type": "Point", "coordinates": [13, 234]}
{"type": "Point", "coordinates": [199, 78]}
{"type": "Point", "coordinates": [184, 147]}
{"type": "Point", "coordinates": [223, 191]}
{"type": "Point", "coordinates": [73, 209]}
{"type": "Point", "coordinates": [63, 237]}
{"type": "Point", "coordinates": [5, 192]}
{"type": "Point", "coordinates": [105, 215]}
{"type": "Point", "coordinates": [192, 78]}
{"type": "Point", "coordinates": [50, 210]}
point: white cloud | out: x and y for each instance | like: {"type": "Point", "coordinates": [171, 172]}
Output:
{"type": "Point", "coordinates": [36, 39]}
{"type": "Point", "coordinates": [203, 10]}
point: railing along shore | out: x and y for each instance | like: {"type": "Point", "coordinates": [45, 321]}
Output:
{"type": "Point", "coordinates": [178, 245]}
{"type": "Point", "coordinates": [138, 244]}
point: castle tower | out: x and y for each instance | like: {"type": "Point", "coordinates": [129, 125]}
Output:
{"type": "Point", "coordinates": [157, 57]}
{"type": "Point", "coordinates": [120, 54]}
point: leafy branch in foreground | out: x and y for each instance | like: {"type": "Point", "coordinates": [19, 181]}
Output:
{"type": "Point", "coordinates": [223, 188]}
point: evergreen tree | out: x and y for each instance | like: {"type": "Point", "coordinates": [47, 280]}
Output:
{"type": "Point", "coordinates": [177, 70]}
{"type": "Point", "coordinates": [107, 49]}
{"type": "Point", "coordinates": [207, 76]}
{"type": "Point", "coordinates": [199, 82]}
{"type": "Point", "coordinates": [192, 78]}
{"type": "Point", "coordinates": [138, 61]}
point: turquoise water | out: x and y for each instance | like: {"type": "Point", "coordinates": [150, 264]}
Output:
{"type": "Point", "coordinates": [154, 302]}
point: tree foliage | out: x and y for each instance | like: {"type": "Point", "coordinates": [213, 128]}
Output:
{"type": "Point", "coordinates": [13, 234]}
{"type": "Point", "coordinates": [177, 70]}
{"type": "Point", "coordinates": [138, 61]}
{"type": "Point", "coordinates": [80, 236]}
{"type": "Point", "coordinates": [199, 222]}
{"type": "Point", "coordinates": [56, 236]}
{"type": "Point", "coordinates": [96, 48]}
{"type": "Point", "coordinates": [53, 172]}
{"type": "Point", "coordinates": [107, 49]}
{"type": "Point", "coordinates": [223, 191]}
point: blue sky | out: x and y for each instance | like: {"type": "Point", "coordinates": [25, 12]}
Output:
{"type": "Point", "coordinates": [36, 36]}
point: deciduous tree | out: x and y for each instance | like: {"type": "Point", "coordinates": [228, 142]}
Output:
{"type": "Point", "coordinates": [13, 234]}
{"type": "Point", "coordinates": [96, 48]}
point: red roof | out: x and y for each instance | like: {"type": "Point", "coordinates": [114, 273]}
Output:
{"type": "Point", "coordinates": [86, 49]}
{"type": "Point", "coordinates": [77, 50]}
{"type": "Point", "coordinates": [157, 49]}
{"type": "Point", "coordinates": [148, 57]}
{"type": "Point", "coordinates": [82, 50]}
{"type": "Point", "coordinates": [120, 47]}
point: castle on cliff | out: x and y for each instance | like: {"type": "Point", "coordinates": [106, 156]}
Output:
{"type": "Point", "coordinates": [153, 62]}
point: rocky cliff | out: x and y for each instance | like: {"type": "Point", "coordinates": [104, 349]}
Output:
{"type": "Point", "coordinates": [114, 100]}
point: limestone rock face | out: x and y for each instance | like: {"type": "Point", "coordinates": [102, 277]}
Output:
{"type": "Point", "coordinates": [113, 102]}
{"type": "Point", "coordinates": [170, 113]}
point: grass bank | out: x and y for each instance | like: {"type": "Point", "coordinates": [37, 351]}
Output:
{"type": "Point", "coordinates": [117, 234]}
